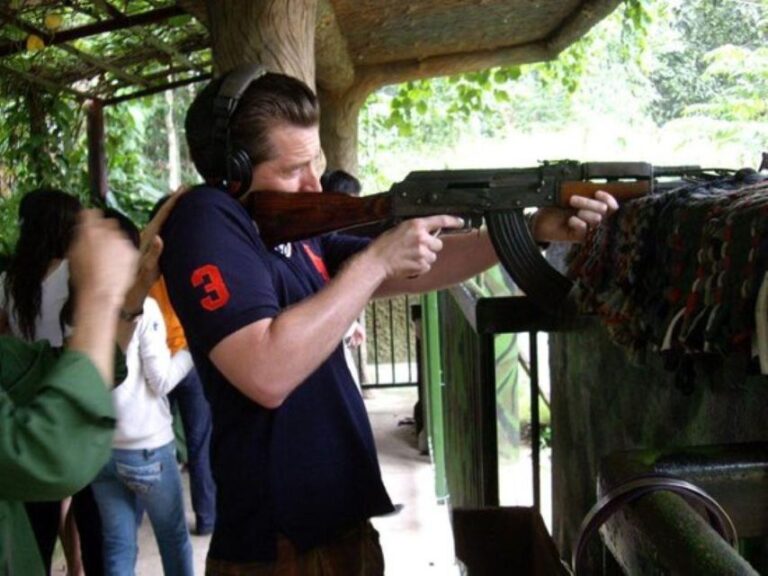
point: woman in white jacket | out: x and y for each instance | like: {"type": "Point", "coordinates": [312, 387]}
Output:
{"type": "Point", "coordinates": [142, 474]}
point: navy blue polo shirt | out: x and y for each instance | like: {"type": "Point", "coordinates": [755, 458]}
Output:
{"type": "Point", "coordinates": [307, 469]}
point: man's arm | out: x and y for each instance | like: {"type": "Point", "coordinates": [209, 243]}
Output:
{"type": "Point", "coordinates": [162, 370]}
{"type": "Point", "coordinates": [56, 421]}
{"type": "Point", "coordinates": [148, 270]}
{"type": "Point", "coordinates": [468, 254]}
{"type": "Point", "coordinates": [268, 359]}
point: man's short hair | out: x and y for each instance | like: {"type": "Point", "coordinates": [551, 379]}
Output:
{"type": "Point", "coordinates": [271, 100]}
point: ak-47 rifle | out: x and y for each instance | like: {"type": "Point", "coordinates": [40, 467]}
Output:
{"type": "Point", "coordinates": [496, 196]}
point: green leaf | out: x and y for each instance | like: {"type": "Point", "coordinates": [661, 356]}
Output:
{"type": "Point", "coordinates": [179, 21]}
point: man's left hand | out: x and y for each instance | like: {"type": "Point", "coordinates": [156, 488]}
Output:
{"type": "Point", "coordinates": [572, 225]}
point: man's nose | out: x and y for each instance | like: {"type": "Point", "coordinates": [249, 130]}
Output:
{"type": "Point", "coordinates": [310, 180]}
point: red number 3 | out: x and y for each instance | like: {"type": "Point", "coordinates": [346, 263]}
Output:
{"type": "Point", "coordinates": [210, 278]}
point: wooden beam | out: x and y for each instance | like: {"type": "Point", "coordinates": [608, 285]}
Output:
{"type": "Point", "coordinates": [190, 45]}
{"type": "Point", "coordinates": [203, 68]}
{"type": "Point", "coordinates": [48, 84]}
{"type": "Point", "coordinates": [107, 8]}
{"type": "Point", "coordinates": [156, 89]}
{"type": "Point", "coordinates": [578, 23]}
{"type": "Point", "coordinates": [369, 78]}
{"type": "Point", "coordinates": [92, 60]}
{"type": "Point", "coordinates": [102, 64]}
{"type": "Point", "coordinates": [64, 36]}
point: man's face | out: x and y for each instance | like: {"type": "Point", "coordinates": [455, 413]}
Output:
{"type": "Point", "coordinates": [294, 167]}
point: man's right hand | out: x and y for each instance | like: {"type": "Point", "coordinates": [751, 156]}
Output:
{"type": "Point", "coordinates": [410, 249]}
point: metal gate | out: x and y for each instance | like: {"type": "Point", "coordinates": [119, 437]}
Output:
{"type": "Point", "coordinates": [388, 358]}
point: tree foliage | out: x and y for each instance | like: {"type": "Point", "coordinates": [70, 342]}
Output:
{"type": "Point", "coordinates": [52, 151]}
{"type": "Point", "coordinates": [661, 62]}
{"type": "Point", "coordinates": [741, 76]}
{"type": "Point", "coordinates": [39, 147]}
{"type": "Point", "coordinates": [690, 36]}
{"type": "Point", "coordinates": [39, 141]}
{"type": "Point", "coordinates": [492, 101]}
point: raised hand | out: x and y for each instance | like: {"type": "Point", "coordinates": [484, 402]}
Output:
{"type": "Point", "coordinates": [151, 244]}
{"type": "Point", "coordinates": [102, 260]}
{"type": "Point", "coordinates": [102, 265]}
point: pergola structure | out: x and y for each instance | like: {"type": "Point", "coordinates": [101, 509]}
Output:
{"type": "Point", "coordinates": [109, 51]}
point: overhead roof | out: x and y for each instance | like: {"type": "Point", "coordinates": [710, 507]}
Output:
{"type": "Point", "coordinates": [116, 50]}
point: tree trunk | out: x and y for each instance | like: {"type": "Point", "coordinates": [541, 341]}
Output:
{"type": "Point", "coordinates": [39, 134]}
{"type": "Point", "coordinates": [174, 158]}
{"type": "Point", "coordinates": [338, 128]}
{"type": "Point", "coordinates": [280, 34]}
{"type": "Point", "coordinates": [97, 158]}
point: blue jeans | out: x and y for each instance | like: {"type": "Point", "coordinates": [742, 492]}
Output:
{"type": "Point", "coordinates": [196, 419]}
{"type": "Point", "coordinates": [149, 479]}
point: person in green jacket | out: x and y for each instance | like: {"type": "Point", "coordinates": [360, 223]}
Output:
{"type": "Point", "coordinates": [56, 415]}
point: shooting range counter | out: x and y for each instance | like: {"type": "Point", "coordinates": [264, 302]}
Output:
{"type": "Point", "coordinates": [669, 355]}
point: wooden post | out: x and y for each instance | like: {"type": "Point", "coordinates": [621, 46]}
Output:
{"type": "Point", "coordinates": [339, 128]}
{"type": "Point", "coordinates": [97, 159]}
{"type": "Point", "coordinates": [39, 132]}
{"type": "Point", "coordinates": [280, 34]}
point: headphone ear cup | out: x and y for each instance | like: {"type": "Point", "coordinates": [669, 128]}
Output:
{"type": "Point", "coordinates": [239, 171]}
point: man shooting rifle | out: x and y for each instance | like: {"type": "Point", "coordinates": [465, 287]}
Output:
{"type": "Point", "coordinates": [293, 454]}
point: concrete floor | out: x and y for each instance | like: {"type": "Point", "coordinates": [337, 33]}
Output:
{"type": "Point", "coordinates": [417, 541]}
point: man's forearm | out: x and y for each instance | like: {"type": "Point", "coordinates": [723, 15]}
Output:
{"type": "Point", "coordinates": [132, 308]}
{"type": "Point", "coordinates": [95, 322]}
{"type": "Point", "coordinates": [464, 255]}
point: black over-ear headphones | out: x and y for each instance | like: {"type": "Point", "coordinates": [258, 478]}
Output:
{"type": "Point", "coordinates": [235, 160]}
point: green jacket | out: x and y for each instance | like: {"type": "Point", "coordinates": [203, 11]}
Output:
{"type": "Point", "coordinates": [56, 423]}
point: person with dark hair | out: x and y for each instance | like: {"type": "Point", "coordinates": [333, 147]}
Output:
{"type": "Point", "coordinates": [142, 473]}
{"type": "Point", "coordinates": [340, 181]}
{"type": "Point", "coordinates": [293, 453]}
{"type": "Point", "coordinates": [35, 284]}
{"type": "Point", "coordinates": [195, 415]}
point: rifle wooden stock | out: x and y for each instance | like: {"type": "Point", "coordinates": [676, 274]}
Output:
{"type": "Point", "coordinates": [289, 216]}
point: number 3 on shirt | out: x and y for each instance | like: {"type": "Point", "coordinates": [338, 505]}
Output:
{"type": "Point", "coordinates": [210, 279]}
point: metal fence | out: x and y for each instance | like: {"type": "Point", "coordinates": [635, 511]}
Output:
{"type": "Point", "coordinates": [388, 358]}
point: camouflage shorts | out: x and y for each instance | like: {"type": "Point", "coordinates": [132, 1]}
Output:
{"type": "Point", "coordinates": [355, 553]}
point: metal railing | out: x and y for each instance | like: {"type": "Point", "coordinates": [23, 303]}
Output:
{"type": "Point", "coordinates": [388, 357]}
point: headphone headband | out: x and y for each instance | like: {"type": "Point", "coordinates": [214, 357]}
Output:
{"type": "Point", "coordinates": [236, 162]}
{"type": "Point", "coordinates": [237, 81]}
